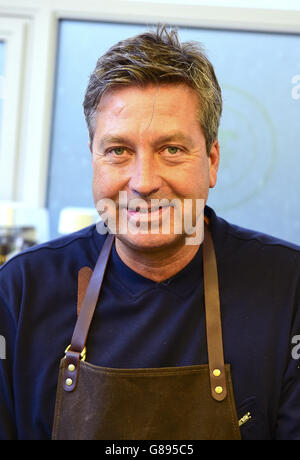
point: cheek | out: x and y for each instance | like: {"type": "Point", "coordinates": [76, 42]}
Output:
{"type": "Point", "coordinates": [191, 182]}
{"type": "Point", "coordinates": [106, 183]}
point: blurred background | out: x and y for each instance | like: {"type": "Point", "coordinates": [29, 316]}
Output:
{"type": "Point", "coordinates": [48, 49]}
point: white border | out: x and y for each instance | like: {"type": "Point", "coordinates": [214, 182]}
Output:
{"type": "Point", "coordinates": [28, 165]}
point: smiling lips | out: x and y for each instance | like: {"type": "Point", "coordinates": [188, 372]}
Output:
{"type": "Point", "coordinates": [146, 210]}
{"type": "Point", "coordinates": [146, 214]}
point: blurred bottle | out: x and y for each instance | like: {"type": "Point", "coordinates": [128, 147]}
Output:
{"type": "Point", "coordinates": [13, 239]}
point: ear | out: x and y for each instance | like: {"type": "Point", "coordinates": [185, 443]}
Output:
{"type": "Point", "coordinates": [214, 159]}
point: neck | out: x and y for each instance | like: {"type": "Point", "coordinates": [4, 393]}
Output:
{"type": "Point", "coordinates": [157, 265]}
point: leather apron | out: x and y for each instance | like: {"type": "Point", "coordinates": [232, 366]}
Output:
{"type": "Point", "coordinates": [167, 403]}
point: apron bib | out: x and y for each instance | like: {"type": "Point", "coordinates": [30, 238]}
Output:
{"type": "Point", "coordinates": [167, 403]}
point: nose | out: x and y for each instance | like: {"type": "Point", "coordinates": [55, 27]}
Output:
{"type": "Point", "coordinates": [145, 180]}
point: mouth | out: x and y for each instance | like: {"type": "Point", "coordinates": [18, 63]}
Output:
{"type": "Point", "coordinates": [147, 212]}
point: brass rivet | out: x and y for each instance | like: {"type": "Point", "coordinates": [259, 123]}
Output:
{"type": "Point", "coordinates": [71, 367]}
{"type": "Point", "coordinates": [69, 382]}
{"type": "Point", "coordinates": [216, 372]}
{"type": "Point", "coordinates": [218, 390]}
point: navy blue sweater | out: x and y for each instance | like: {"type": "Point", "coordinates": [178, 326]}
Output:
{"type": "Point", "coordinates": [142, 323]}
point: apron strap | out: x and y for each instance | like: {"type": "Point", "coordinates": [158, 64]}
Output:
{"type": "Point", "coordinates": [213, 319]}
{"type": "Point", "coordinates": [84, 276]}
{"type": "Point", "coordinates": [76, 351]}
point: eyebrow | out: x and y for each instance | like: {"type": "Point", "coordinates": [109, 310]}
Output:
{"type": "Point", "coordinates": [109, 139]}
{"type": "Point", "coordinates": [176, 136]}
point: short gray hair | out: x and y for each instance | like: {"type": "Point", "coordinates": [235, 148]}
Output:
{"type": "Point", "coordinates": [157, 57]}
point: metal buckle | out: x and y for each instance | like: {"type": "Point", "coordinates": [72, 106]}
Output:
{"type": "Point", "coordinates": [82, 354]}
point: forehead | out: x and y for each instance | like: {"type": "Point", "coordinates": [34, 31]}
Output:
{"type": "Point", "coordinates": [168, 104]}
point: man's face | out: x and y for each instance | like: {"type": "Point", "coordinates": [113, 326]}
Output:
{"type": "Point", "coordinates": [148, 143]}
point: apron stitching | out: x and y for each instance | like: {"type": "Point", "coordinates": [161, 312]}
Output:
{"type": "Point", "coordinates": [235, 427]}
{"type": "Point", "coordinates": [57, 409]}
{"type": "Point", "coordinates": [176, 371]}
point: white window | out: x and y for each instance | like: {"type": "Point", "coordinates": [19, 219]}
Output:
{"type": "Point", "coordinates": [2, 79]}
{"type": "Point", "coordinates": [11, 66]}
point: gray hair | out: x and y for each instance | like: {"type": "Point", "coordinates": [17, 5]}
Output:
{"type": "Point", "coordinates": [157, 57]}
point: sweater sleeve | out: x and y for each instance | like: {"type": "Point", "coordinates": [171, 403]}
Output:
{"type": "Point", "coordinates": [8, 328]}
{"type": "Point", "coordinates": [288, 420]}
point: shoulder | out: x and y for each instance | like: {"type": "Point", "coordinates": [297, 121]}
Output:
{"type": "Point", "coordinates": [59, 255]}
{"type": "Point", "coordinates": [255, 258]}
{"type": "Point", "coordinates": [48, 270]}
{"type": "Point", "coordinates": [274, 261]}
{"type": "Point", "coordinates": [235, 239]}
{"type": "Point", "coordinates": [259, 241]}
{"type": "Point", "coordinates": [259, 274]}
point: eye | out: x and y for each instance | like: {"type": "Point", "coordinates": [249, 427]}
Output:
{"type": "Point", "coordinates": [117, 151]}
{"type": "Point", "coordinates": [172, 150]}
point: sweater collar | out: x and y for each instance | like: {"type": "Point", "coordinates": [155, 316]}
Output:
{"type": "Point", "coordinates": [182, 282]}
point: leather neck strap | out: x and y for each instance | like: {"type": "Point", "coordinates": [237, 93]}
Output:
{"type": "Point", "coordinates": [213, 319]}
{"type": "Point", "coordinates": [91, 297]}
{"type": "Point", "coordinates": [212, 309]}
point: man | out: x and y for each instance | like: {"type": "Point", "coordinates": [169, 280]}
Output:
{"type": "Point", "coordinates": [153, 354]}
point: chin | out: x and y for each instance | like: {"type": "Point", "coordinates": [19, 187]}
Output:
{"type": "Point", "coordinates": [150, 242]}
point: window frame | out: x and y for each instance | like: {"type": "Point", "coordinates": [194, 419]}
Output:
{"type": "Point", "coordinates": [12, 33]}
